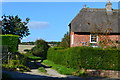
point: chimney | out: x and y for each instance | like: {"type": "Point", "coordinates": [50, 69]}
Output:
{"type": "Point", "coordinates": [85, 6]}
{"type": "Point", "coordinates": [109, 8]}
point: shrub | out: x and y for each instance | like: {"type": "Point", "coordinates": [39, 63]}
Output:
{"type": "Point", "coordinates": [17, 67]}
{"type": "Point", "coordinates": [22, 68]}
{"type": "Point", "coordinates": [22, 58]}
{"type": "Point", "coordinates": [14, 62]}
{"type": "Point", "coordinates": [11, 41]}
{"type": "Point", "coordinates": [86, 57]}
{"type": "Point", "coordinates": [40, 49]}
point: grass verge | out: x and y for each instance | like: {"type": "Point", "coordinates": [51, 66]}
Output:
{"type": "Point", "coordinates": [42, 69]}
{"type": "Point", "coordinates": [59, 68]}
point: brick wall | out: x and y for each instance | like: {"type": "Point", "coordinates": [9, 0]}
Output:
{"type": "Point", "coordinates": [84, 39]}
{"type": "Point", "coordinates": [79, 40]}
{"type": "Point", "coordinates": [112, 37]}
{"type": "Point", "coordinates": [103, 73]}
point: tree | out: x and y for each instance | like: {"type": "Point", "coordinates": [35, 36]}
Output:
{"type": "Point", "coordinates": [14, 25]}
{"type": "Point", "coordinates": [65, 41]}
{"type": "Point", "coordinates": [40, 49]}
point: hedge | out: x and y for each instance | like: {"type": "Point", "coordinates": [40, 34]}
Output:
{"type": "Point", "coordinates": [86, 57]}
{"type": "Point", "coordinates": [10, 41]}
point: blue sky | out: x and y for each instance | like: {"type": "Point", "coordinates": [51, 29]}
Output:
{"type": "Point", "coordinates": [48, 20]}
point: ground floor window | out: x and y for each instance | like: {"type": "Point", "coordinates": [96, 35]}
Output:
{"type": "Point", "coordinates": [93, 38]}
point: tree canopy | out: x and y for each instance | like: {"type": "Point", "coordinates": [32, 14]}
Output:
{"type": "Point", "coordinates": [14, 25]}
{"type": "Point", "coordinates": [65, 41]}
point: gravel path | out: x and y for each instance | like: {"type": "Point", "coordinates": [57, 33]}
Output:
{"type": "Point", "coordinates": [36, 72]}
{"type": "Point", "coordinates": [54, 73]}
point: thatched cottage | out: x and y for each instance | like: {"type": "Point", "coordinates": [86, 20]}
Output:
{"type": "Point", "coordinates": [89, 21]}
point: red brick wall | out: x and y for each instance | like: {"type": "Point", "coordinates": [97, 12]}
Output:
{"type": "Point", "coordinates": [79, 39]}
{"type": "Point", "coordinates": [112, 37]}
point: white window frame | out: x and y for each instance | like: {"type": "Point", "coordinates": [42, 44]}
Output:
{"type": "Point", "coordinates": [91, 37]}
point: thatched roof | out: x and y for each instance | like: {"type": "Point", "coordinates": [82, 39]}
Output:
{"type": "Point", "coordinates": [89, 18]}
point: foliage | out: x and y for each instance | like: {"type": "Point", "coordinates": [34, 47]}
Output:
{"type": "Point", "coordinates": [22, 68]}
{"type": "Point", "coordinates": [40, 49]}
{"type": "Point", "coordinates": [30, 56]}
{"type": "Point", "coordinates": [85, 57]}
{"type": "Point", "coordinates": [34, 58]}
{"type": "Point", "coordinates": [22, 59]}
{"type": "Point", "coordinates": [10, 41]}
{"type": "Point", "coordinates": [14, 25]}
{"type": "Point", "coordinates": [42, 69]}
{"type": "Point", "coordinates": [61, 69]}
{"type": "Point", "coordinates": [17, 67]}
{"type": "Point", "coordinates": [18, 62]}
{"type": "Point", "coordinates": [65, 41]}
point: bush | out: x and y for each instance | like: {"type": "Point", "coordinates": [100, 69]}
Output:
{"type": "Point", "coordinates": [22, 58]}
{"type": "Point", "coordinates": [17, 67]}
{"type": "Point", "coordinates": [86, 57]}
{"type": "Point", "coordinates": [22, 68]}
{"type": "Point", "coordinates": [11, 41]}
{"type": "Point", "coordinates": [14, 62]}
{"type": "Point", "coordinates": [40, 49]}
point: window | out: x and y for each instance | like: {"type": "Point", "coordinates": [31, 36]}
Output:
{"type": "Point", "coordinates": [93, 38]}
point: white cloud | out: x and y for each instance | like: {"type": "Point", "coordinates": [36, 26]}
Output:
{"type": "Point", "coordinates": [37, 25]}
{"type": "Point", "coordinates": [1, 0]}
{"type": "Point", "coordinates": [24, 38]}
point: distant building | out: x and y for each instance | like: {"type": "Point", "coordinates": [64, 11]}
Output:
{"type": "Point", "coordinates": [85, 22]}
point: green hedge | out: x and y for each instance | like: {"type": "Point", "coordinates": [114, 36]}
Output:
{"type": "Point", "coordinates": [86, 57]}
{"type": "Point", "coordinates": [11, 41]}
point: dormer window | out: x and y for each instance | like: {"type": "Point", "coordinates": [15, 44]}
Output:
{"type": "Point", "coordinates": [93, 38]}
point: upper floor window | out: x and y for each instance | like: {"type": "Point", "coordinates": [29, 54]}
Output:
{"type": "Point", "coordinates": [93, 38]}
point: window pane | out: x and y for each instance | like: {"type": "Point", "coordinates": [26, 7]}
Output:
{"type": "Point", "coordinates": [93, 38]}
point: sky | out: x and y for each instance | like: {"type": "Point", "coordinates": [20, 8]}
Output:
{"type": "Point", "coordinates": [48, 20]}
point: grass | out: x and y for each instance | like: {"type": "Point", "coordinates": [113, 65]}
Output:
{"type": "Point", "coordinates": [59, 68]}
{"type": "Point", "coordinates": [42, 69]}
